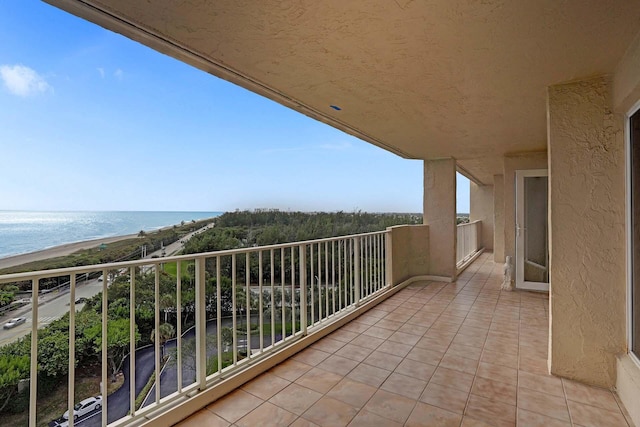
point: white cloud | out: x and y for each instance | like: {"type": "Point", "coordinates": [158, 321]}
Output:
{"type": "Point", "coordinates": [23, 81]}
{"type": "Point", "coordinates": [101, 71]}
{"type": "Point", "coordinates": [119, 74]}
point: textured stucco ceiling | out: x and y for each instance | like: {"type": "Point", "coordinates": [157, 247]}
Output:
{"type": "Point", "coordinates": [424, 79]}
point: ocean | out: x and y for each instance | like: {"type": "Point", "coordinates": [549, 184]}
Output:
{"type": "Point", "coordinates": [28, 231]}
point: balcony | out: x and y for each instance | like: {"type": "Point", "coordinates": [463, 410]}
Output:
{"type": "Point", "coordinates": [463, 353]}
{"type": "Point", "coordinates": [383, 343]}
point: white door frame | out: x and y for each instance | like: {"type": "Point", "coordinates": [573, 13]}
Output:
{"type": "Point", "coordinates": [629, 233]}
{"type": "Point", "coordinates": [520, 282]}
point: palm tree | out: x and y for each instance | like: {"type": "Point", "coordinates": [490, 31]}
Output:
{"type": "Point", "coordinates": [167, 302]}
{"type": "Point", "coordinates": [166, 331]}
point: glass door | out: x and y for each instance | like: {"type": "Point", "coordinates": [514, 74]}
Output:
{"type": "Point", "coordinates": [532, 231]}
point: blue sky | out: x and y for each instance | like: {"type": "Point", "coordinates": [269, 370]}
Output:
{"type": "Point", "coordinates": [94, 121]}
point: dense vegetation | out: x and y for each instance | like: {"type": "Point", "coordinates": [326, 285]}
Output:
{"type": "Point", "coordinates": [268, 227]}
{"type": "Point", "coordinates": [232, 230]}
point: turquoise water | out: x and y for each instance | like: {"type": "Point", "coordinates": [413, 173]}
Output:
{"type": "Point", "coordinates": [27, 231]}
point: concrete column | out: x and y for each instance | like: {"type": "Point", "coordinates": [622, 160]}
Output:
{"type": "Point", "coordinates": [482, 210]}
{"type": "Point", "coordinates": [498, 218]}
{"type": "Point", "coordinates": [587, 232]}
{"type": "Point", "coordinates": [440, 215]}
{"type": "Point", "coordinates": [409, 252]}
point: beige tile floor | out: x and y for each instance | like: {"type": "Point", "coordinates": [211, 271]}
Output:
{"type": "Point", "coordinates": [435, 354]}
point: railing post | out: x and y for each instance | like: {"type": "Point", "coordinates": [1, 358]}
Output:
{"type": "Point", "coordinates": [218, 313]}
{"type": "Point", "coordinates": [234, 308]}
{"type": "Point", "coordinates": [156, 341]}
{"type": "Point", "coordinates": [458, 244]}
{"type": "Point", "coordinates": [132, 338]}
{"type": "Point", "coordinates": [388, 255]}
{"type": "Point", "coordinates": [465, 241]}
{"type": "Point", "coordinates": [33, 375]}
{"type": "Point", "coordinates": [303, 288]}
{"type": "Point", "coordinates": [201, 326]}
{"type": "Point", "coordinates": [72, 347]}
{"type": "Point", "coordinates": [178, 325]}
{"type": "Point", "coordinates": [105, 378]}
{"type": "Point", "coordinates": [356, 260]}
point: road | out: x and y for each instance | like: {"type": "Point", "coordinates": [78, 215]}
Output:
{"type": "Point", "coordinates": [178, 245]}
{"type": "Point", "coordinates": [169, 376]}
{"type": "Point", "coordinates": [118, 402]}
{"type": "Point", "coordinates": [55, 304]}
{"type": "Point", "coordinates": [52, 306]}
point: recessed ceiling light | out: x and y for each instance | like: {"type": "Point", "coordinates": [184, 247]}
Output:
{"type": "Point", "coordinates": [335, 107]}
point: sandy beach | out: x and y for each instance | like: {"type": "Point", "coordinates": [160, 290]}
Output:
{"type": "Point", "coordinates": [58, 251]}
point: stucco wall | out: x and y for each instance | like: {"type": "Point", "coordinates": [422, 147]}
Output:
{"type": "Point", "coordinates": [587, 254]}
{"type": "Point", "coordinates": [498, 218]}
{"type": "Point", "coordinates": [481, 208]}
{"type": "Point", "coordinates": [512, 163]}
{"type": "Point", "coordinates": [440, 215]}
{"type": "Point", "coordinates": [409, 252]}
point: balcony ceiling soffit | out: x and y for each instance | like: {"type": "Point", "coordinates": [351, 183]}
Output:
{"type": "Point", "coordinates": [422, 79]}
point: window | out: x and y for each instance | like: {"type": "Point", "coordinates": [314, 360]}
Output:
{"type": "Point", "coordinates": [634, 138]}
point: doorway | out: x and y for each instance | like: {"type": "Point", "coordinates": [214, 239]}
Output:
{"type": "Point", "coordinates": [532, 231]}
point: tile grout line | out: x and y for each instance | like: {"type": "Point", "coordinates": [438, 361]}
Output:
{"type": "Point", "coordinates": [475, 376]}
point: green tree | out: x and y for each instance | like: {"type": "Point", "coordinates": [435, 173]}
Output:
{"type": "Point", "coordinates": [86, 320]}
{"type": "Point", "coordinates": [53, 352]}
{"type": "Point", "coordinates": [12, 370]}
{"type": "Point", "coordinates": [7, 294]}
{"type": "Point", "coordinates": [166, 331]}
{"type": "Point", "coordinates": [117, 342]}
{"type": "Point", "coordinates": [167, 304]}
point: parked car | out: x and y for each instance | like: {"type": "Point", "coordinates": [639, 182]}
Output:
{"type": "Point", "coordinates": [88, 405]}
{"type": "Point", "coordinates": [12, 323]}
{"type": "Point", "coordinates": [60, 422]}
{"type": "Point", "coordinates": [81, 300]}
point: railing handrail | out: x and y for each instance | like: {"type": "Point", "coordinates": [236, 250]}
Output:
{"type": "Point", "coordinates": [321, 280]}
{"type": "Point", "coordinates": [39, 274]}
{"type": "Point", "coordinates": [468, 243]}
{"type": "Point", "coordinates": [469, 223]}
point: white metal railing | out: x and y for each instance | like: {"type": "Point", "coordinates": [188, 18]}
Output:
{"type": "Point", "coordinates": [236, 306]}
{"type": "Point", "coordinates": [468, 241]}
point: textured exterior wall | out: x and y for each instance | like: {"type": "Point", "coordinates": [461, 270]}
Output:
{"type": "Point", "coordinates": [440, 215]}
{"type": "Point", "coordinates": [498, 218]}
{"type": "Point", "coordinates": [587, 226]}
{"type": "Point", "coordinates": [513, 163]}
{"type": "Point", "coordinates": [409, 252]}
{"type": "Point", "coordinates": [482, 209]}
